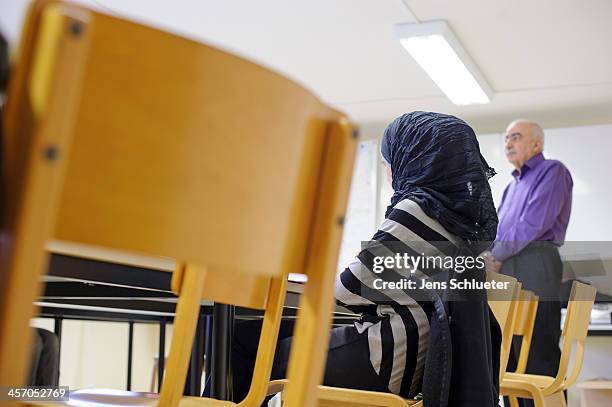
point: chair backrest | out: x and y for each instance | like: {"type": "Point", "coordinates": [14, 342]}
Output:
{"type": "Point", "coordinates": [122, 136]}
{"type": "Point", "coordinates": [575, 329]}
{"type": "Point", "coordinates": [524, 322]}
{"type": "Point", "coordinates": [503, 303]}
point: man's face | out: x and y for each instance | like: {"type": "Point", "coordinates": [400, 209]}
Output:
{"type": "Point", "coordinates": [520, 145]}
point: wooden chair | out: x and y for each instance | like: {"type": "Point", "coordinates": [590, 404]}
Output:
{"type": "Point", "coordinates": [502, 302]}
{"type": "Point", "coordinates": [339, 397]}
{"type": "Point", "coordinates": [125, 137]}
{"type": "Point", "coordinates": [548, 391]}
{"type": "Point", "coordinates": [523, 326]}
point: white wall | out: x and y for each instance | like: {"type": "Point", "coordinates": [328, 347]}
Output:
{"type": "Point", "coordinates": [94, 354]}
{"type": "Point", "coordinates": [12, 13]}
{"type": "Point", "coordinates": [586, 153]}
{"type": "Point", "coordinates": [360, 222]}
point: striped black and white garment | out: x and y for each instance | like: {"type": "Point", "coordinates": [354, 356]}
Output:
{"type": "Point", "coordinates": [396, 325]}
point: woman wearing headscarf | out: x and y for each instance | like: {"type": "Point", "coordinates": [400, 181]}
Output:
{"type": "Point", "coordinates": [441, 207]}
{"type": "Point", "coordinates": [440, 183]}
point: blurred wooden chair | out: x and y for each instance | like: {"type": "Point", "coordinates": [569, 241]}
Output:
{"type": "Point", "coordinates": [124, 137]}
{"type": "Point", "coordinates": [503, 304]}
{"type": "Point", "coordinates": [153, 384]}
{"type": "Point", "coordinates": [548, 391]}
{"type": "Point", "coordinates": [523, 326]}
{"type": "Point", "coordinates": [340, 397]}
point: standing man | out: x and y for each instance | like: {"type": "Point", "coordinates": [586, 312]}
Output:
{"type": "Point", "coordinates": [533, 217]}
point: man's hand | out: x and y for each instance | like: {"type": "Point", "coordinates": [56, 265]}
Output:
{"type": "Point", "coordinates": [492, 265]}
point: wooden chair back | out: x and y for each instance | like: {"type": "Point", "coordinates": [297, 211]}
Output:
{"type": "Point", "coordinates": [122, 136]}
{"type": "Point", "coordinates": [524, 322]}
{"type": "Point", "coordinates": [573, 335]}
{"type": "Point", "coordinates": [503, 304]}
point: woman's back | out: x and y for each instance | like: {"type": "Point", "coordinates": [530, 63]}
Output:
{"type": "Point", "coordinates": [441, 214]}
{"type": "Point", "coordinates": [395, 311]}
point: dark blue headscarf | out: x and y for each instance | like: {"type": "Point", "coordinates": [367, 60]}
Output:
{"type": "Point", "coordinates": [436, 162]}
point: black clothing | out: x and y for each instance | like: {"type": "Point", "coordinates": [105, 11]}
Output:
{"type": "Point", "coordinates": [344, 366]}
{"type": "Point", "coordinates": [44, 368]}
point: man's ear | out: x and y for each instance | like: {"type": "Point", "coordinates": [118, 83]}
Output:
{"type": "Point", "coordinates": [538, 146]}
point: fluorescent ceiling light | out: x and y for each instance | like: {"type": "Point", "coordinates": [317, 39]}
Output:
{"type": "Point", "coordinates": [436, 49]}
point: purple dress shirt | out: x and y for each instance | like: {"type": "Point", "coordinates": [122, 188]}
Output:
{"type": "Point", "coordinates": [535, 206]}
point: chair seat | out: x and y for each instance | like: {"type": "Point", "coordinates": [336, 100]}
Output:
{"type": "Point", "coordinates": [537, 380]}
{"type": "Point", "coordinates": [337, 396]}
{"type": "Point", "coordinates": [112, 397]}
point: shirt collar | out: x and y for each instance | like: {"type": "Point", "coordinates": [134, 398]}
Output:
{"type": "Point", "coordinates": [529, 164]}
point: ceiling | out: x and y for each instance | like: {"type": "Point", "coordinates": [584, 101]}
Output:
{"type": "Point", "coordinates": [549, 60]}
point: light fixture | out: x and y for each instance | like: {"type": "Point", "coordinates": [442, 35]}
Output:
{"type": "Point", "coordinates": [436, 49]}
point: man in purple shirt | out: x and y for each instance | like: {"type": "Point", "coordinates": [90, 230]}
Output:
{"type": "Point", "coordinates": [533, 217]}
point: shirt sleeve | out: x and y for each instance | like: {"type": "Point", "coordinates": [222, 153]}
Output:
{"type": "Point", "coordinates": [540, 212]}
{"type": "Point", "coordinates": [354, 285]}
{"type": "Point", "coordinates": [397, 235]}
{"type": "Point", "coordinates": [352, 282]}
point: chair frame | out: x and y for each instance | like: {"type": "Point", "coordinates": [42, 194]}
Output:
{"type": "Point", "coordinates": [33, 197]}
{"type": "Point", "coordinates": [341, 397]}
{"type": "Point", "coordinates": [505, 311]}
{"type": "Point", "coordinates": [35, 202]}
{"type": "Point", "coordinates": [548, 391]}
{"type": "Point", "coordinates": [523, 326]}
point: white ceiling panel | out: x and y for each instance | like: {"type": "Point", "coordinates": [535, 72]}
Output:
{"type": "Point", "coordinates": [524, 44]}
{"type": "Point", "coordinates": [333, 47]}
{"type": "Point", "coordinates": [550, 60]}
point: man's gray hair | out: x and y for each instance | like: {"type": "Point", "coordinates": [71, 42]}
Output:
{"type": "Point", "coordinates": [536, 130]}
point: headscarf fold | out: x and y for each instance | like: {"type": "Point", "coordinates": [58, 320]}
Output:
{"type": "Point", "coordinates": [435, 161]}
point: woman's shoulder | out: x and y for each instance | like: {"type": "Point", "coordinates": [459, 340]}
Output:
{"type": "Point", "coordinates": [409, 214]}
